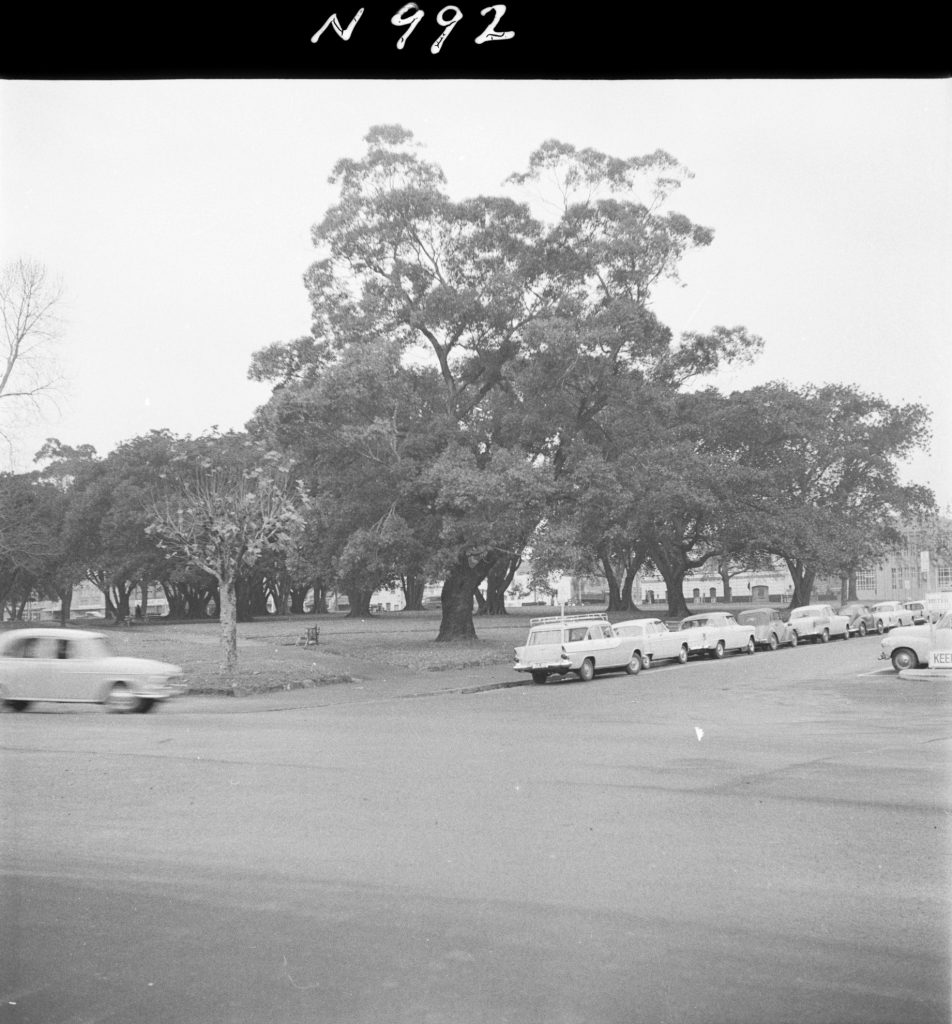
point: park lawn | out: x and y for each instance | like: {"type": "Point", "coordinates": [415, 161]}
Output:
{"type": "Point", "coordinates": [271, 654]}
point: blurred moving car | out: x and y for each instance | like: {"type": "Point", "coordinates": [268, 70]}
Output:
{"type": "Point", "coordinates": [862, 620]}
{"type": "Point", "coordinates": [818, 622]}
{"type": "Point", "coordinates": [911, 647]}
{"type": "Point", "coordinates": [920, 613]}
{"type": "Point", "coordinates": [889, 614]}
{"type": "Point", "coordinates": [584, 644]}
{"type": "Point", "coordinates": [75, 666]}
{"type": "Point", "coordinates": [716, 633]}
{"type": "Point", "coordinates": [770, 629]}
{"type": "Point", "coordinates": [654, 641]}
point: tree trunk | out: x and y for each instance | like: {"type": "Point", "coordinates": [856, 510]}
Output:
{"type": "Point", "coordinates": [298, 594]}
{"type": "Point", "coordinates": [359, 601]}
{"type": "Point", "coordinates": [851, 586]}
{"type": "Point", "coordinates": [65, 594]}
{"type": "Point", "coordinates": [615, 600]}
{"type": "Point", "coordinates": [481, 603]}
{"type": "Point", "coordinates": [677, 606]}
{"type": "Point", "coordinates": [802, 577]}
{"type": "Point", "coordinates": [456, 599]}
{"type": "Point", "coordinates": [498, 581]}
{"type": "Point", "coordinates": [228, 616]}
{"type": "Point", "coordinates": [320, 597]}
{"type": "Point", "coordinates": [726, 583]}
{"type": "Point", "coordinates": [413, 592]}
{"type": "Point", "coordinates": [178, 605]}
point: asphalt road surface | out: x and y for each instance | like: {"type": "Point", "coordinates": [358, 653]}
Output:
{"type": "Point", "coordinates": [760, 839]}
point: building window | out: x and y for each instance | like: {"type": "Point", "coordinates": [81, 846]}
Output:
{"type": "Point", "coordinates": [866, 581]}
{"type": "Point", "coordinates": [945, 577]}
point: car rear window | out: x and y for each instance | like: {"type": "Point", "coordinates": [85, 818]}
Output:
{"type": "Point", "coordinates": [545, 636]}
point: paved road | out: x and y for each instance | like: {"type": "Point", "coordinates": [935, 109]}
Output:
{"type": "Point", "coordinates": [761, 839]}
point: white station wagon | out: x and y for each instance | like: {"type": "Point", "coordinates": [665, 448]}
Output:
{"type": "Point", "coordinates": [74, 666]}
{"type": "Point", "coordinates": [716, 633]}
{"type": "Point", "coordinates": [584, 644]}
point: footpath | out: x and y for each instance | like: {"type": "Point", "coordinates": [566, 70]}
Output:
{"type": "Point", "coordinates": [360, 682]}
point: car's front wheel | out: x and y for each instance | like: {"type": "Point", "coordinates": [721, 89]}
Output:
{"type": "Point", "coordinates": [683, 654]}
{"type": "Point", "coordinates": [794, 638]}
{"type": "Point", "coordinates": [587, 671]}
{"type": "Point", "coordinates": [903, 658]}
{"type": "Point", "coordinates": [773, 643]}
{"type": "Point", "coordinates": [751, 645]}
{"type": "Point", "coordinates": [121, 699]}
{"type": "Point", "coordinates": [880, 626]}
{"type": "Point", "coordinates": [718, 651]}
{"type": "Point", "coordinates": [825, 636]}
{"type": "Point", "coordinates": [635, 665]}
{"type": "Point", "coordinates": [861, 629]}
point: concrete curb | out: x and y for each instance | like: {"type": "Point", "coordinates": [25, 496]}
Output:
{"type": "Point", "coordinates": [943, 675]}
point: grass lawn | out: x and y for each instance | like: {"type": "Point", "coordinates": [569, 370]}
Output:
{"type": "Point", "coordinates": [271, 655]}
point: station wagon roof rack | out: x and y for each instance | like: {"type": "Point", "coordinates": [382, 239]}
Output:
{"type": "Point", "coordinates": [548, 619]}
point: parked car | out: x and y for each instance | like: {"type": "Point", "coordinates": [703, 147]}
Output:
{"type": "Point", "coordinates": [654, 641]}
{"type": "Point", "coordinates": [910, 647]}
{"type": "Point", "coordinates": [862, 620]}
{"type": "Point", "coordinates": [920, 613]}
{"type": "Point", "coordinates": [819, 623]}
{"type": "Point", "coordinates": [716, 633]}
{"type": "Point", "coordinates": [75, 666]}
{"type": "Point", "coordinates": [584, 644]}
{"type": "Point", "coordinates": [770, 629]}
{"type": "Point", "coordinates": [889, 614]}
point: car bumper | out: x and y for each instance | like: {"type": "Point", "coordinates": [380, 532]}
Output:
{"type": "Point", "coordinates": [163, 691]}
{"type": "Point", "coordinates": [548, 666]}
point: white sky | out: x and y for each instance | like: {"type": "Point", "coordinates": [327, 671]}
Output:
{"type": "Point", "coordinates": [178, 216]}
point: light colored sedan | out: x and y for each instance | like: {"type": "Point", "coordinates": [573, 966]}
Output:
{"type": "Point", "coordinates": [716, 633]}
{"type": "Point", "coordinates": [653, 640]}
{"type": "Point", "coordinates": [74, 666]}
{"type": "Point", "coordinates": [818, 622]}
{"type": "Point", "coordinates": [912, 646]}
{"type": "Point", "coordinates": [769, 628]}
{"type": "Point", "coordinates": [889, 614]}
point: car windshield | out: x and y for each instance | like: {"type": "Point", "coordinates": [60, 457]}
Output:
{"type": "Point", "coordinates": [631, 629]}
{"type": "Point", "coordinates": [751, 617]}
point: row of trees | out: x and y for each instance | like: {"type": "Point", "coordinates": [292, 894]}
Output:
{"type": "Point", "coordinates": [480, 381]}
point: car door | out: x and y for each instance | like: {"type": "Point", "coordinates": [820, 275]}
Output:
{"type": "Point", "coordinates": [39, 672]}
{"type": "Point", "coordinates": [610, 651]}
{"type": "Point", "coordinates": [17, 669]}
{"type": "Point", "coordinates": [82, 672]}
